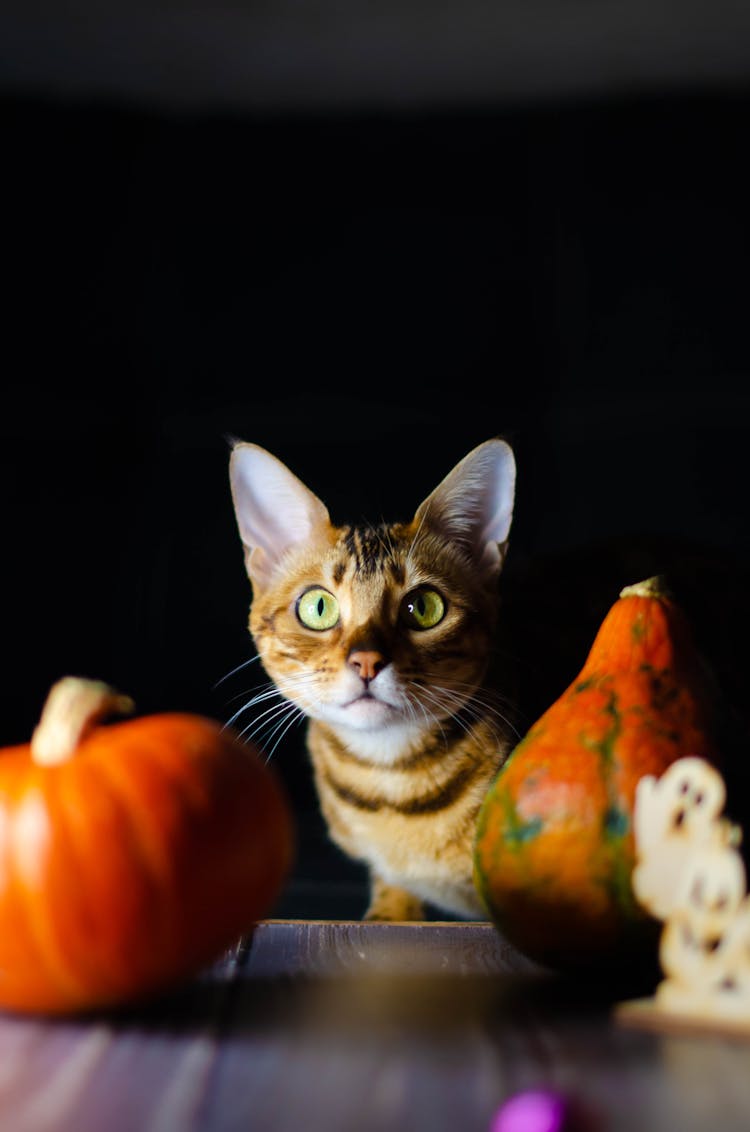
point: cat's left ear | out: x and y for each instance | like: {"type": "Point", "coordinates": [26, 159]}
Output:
{"type": "Point", "coordinates": [275, 511]}
{"type": "Point", "coordinates": [473, 505]}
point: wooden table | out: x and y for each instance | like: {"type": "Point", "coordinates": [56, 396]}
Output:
{"type": "Point", "coordinates": [351, 1027]}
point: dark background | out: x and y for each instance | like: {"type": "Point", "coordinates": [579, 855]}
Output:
{"type": "Point", "coordinates": [368, 282]}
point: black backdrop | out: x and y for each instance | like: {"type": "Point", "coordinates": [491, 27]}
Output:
{"type": "Point", "coordinates": [368, 296]}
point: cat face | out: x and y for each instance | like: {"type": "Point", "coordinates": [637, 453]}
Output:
{"type": "Point", "coordinates": [379, 628]}
{"type": "Point", "coordinates": [369, 629]}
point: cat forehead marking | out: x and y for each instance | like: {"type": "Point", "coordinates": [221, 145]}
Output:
{"type": "Point", "coordinates": [371, 550]}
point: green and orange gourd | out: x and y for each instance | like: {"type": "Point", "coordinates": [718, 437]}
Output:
{"type": "Point", "coordinates": [554, 849]}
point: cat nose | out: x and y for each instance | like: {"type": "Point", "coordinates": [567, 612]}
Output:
{"type": "Point", "coordinates": [367, 663]}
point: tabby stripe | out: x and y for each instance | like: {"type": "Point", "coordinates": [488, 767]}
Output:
{"type": "Point", "coordinates": [398, 572]}
{"type": "Point", "coordinates": [352, 549]}
{"type": "Point", "coordinates": [367, 546]}
{"type": "Point", "coordinates": [428, 804]}
{"type": "Point", "coordinates": [351, 796]}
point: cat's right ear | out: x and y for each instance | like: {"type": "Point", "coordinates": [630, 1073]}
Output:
{"type": "Point", "coordinates": [473, 506]}
{"type": "Point", "coordinates": [274, 510]}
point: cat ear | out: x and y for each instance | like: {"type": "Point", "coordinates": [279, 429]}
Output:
{"type": "Point", "coordinates": [473, 505]}
{"type": "Point", "coordinates": [274, 510]}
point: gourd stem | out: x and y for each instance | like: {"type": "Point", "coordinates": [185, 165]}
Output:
{"type": "Point", "coordinates": [651, 587]}
{"type": "Point", "coordinates": [73, 708]}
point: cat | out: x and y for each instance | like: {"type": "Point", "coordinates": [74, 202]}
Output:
{"type": "Point", "coordinates": [383, 637]}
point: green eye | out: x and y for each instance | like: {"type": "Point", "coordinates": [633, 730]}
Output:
{"type": "Point", "coordinates": [423, 608]}
{"type": "Point", "coordinates": [317, 609]}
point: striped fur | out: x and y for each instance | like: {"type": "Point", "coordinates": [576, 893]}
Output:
{"type": "Point", "coordinates": [402, 757]}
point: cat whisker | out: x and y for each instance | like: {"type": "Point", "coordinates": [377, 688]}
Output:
{"type": "Point", "coordinates": [268, 722]}
{"type": "Point", "coordinates": [489, 701]}
{"type": "Point", "coordinates": [432, 717]}
{"type": "Point", "coordinates": [295, 716]}
{"type": "Point", "coordinates": [446, 701]}
{"type": "Point", "coordinates": [261, 730]}
{"type": "Point", "coordinates": [269, 691]}
{"type": "Point", "coordinates": [274, 721]}
{"type": "Point", "coordinates": [292, 687]}
{"type": "Point", "coordinates": [437, 721]}
{"type": "Point", "coordinates": [266, 717]}
{"type": "Point", "coordinates": [234, 671]}
{"type": "Point", "coordinates": [488, 708]}
{"type": "Point", "coordinates": [445, 698]}
{"type": "Point", "coordinates": [298, 688]}
{"type": "Point", "coordinates": [464, 711]}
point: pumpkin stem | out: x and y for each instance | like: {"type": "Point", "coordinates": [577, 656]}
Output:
{"type": "Point", "coordinates": [72, 708]}
{"type": "Point", "coordinates": [651, 587]}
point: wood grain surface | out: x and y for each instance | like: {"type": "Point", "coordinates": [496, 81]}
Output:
{"type": "Point", "coordinates": [368, 1027]}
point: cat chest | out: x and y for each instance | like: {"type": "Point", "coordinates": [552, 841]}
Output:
{"type": "Point", "coordinates": [398, 814]}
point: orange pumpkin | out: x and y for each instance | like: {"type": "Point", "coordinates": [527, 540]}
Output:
{"type": "Point", "coordinates": [130, 854]}
{"type": "Point", "coordinates": [554, 850]}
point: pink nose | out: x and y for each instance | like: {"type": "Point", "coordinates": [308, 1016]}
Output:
{"type": "Point", "coordinates": [367, 663]}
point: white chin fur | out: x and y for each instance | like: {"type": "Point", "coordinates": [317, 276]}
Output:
{"type": "Point", "coordinates": [383, 744]}
{"type": "Point", "coordinates": [371, 728]}
{"type": "Point", "coordinates": [380, 727]}
{"type": "Point", "coordinates": [366, 714]}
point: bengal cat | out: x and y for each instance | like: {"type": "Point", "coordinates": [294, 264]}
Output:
{"type": "Point", "coordinates": [382, 636]}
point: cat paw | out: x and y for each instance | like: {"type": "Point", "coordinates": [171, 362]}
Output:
{"type": "Point", "coordinates": [389, 903]}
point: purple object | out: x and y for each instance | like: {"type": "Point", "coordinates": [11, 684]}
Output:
{"type": "Point", "coordinates": [537, 1110]}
